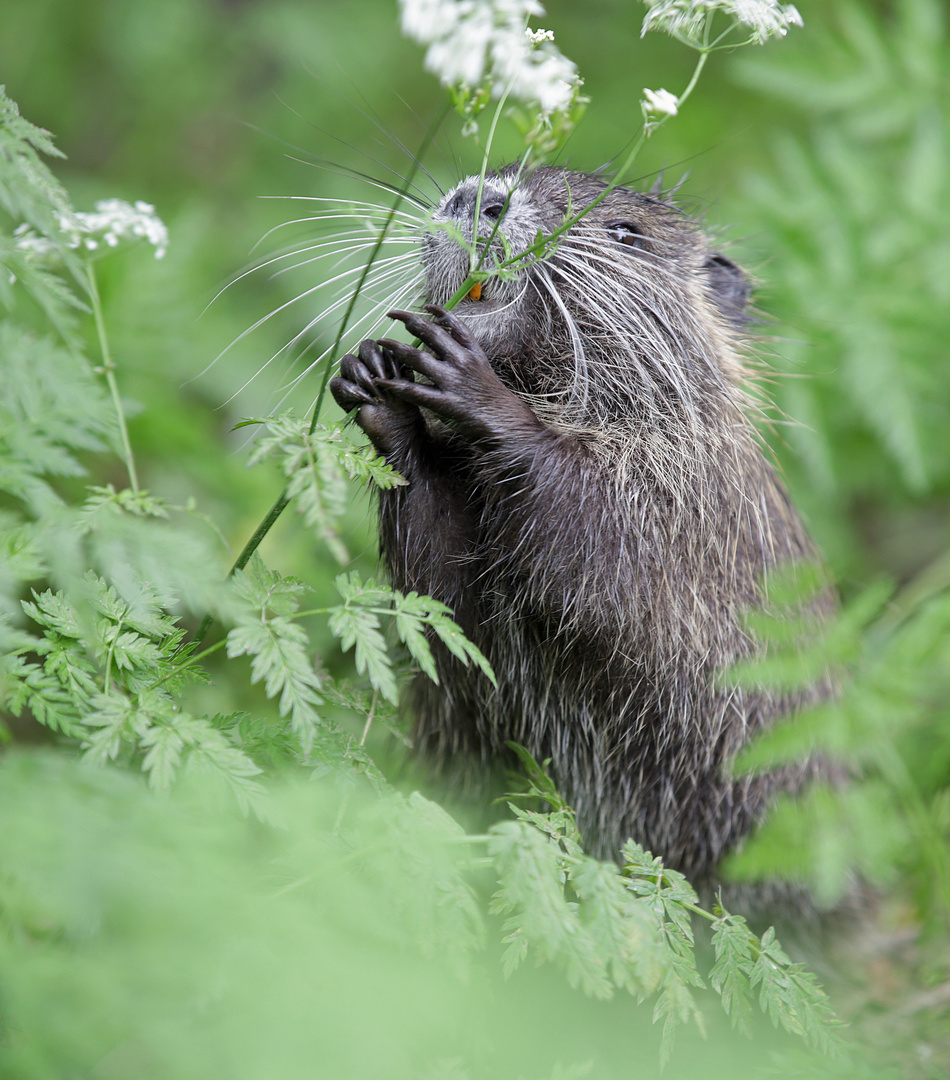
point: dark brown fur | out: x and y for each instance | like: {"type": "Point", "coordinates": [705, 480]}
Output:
{"type": "Point", "coordinates": [588, 495]}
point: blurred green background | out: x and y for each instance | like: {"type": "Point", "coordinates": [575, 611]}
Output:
{"type": "Point", "coordinates": [823, 164]}
{"type": "Point", "coordinates": [821, 159]}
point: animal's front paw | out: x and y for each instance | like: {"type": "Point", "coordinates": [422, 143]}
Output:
{"type": "Point", "coordinates": [391, 422]}
{"type": "Point", "coordinates": [465, 389]}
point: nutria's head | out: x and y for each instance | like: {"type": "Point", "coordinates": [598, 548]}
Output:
{"type": "Point", "coordinates": [632, 306]}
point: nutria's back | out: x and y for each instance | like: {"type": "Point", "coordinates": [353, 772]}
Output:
{"type": "Point", "coordinates": [587, 493]}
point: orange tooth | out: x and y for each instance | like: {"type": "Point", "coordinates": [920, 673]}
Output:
{"type": "Point", "coordinates": [476, 291]}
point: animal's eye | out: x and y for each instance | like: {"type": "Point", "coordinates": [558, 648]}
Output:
{"type": "Point", "coordinates": [625, 232]}
{"type": "Point", "coordinates": [493, 210]}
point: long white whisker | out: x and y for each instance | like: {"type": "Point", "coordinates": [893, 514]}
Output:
{"type": "Point", "coordinates": [369, 322]}
{"type": "Point", "coordinates": [348, 213]}
{"type": "Point", "coordinates": [402, 257]}
{"type": "Point", "coordinates": [414, 200]}
{"type": "Point", "coordinates": [364, 245]}
{"type": "Point", "coordinates": [577, 343]}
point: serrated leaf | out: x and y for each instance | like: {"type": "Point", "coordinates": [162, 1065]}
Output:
{"type": "Point", "coordinates": [138, 503]}
{"type": "Point", "coordinates": [114, 718]}
{"type": "Point", "coordinates": [266, 589]}
{"type": "Point", "coordinates": [531, 885]}
{"type": "Point", "coordinates": [624, 931]}
{"type": "Point", "coordinates": [20, 556]}
{"type": "Point", "coordinates": [163, 747]}
{"type": "Point", "coordinates": [207, 747]}
{"type": "Point", "coordinates": [363, 463]}
{"type": "Point", "coordinates": [733, 943]}
{"type": "Point", "coordinates": [791, 996]}
{"type": "Point", "coordinates": [146, 617]}
{"type": "Point", "coordinates": [51, 406]}
{"type": "Point", "coordinates": [278, 656]}
{"type": "Point", "coordinates": [409, 629]}
{"type": "Point", "coordinates": [51, 703]}
{"type": "Point", "coordinates": [674, 1006]}
{"type": "Point", "coordinates": [452, 637]}
{"type": "Point", "coordinates": [54, 612]}
{"type": "Point", "coordinates": [313, 464]}
{"type": "Point", "coordinates": [354, 589]}
{"type": "Point", "coordinates": [129, 650]}
{"type": "Point", "coordinates": [355, 626]}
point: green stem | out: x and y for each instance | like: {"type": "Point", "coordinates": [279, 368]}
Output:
{"type": "Point", "coordinates": [108, 369]}
{"type": "Point", "coordinates": [380, 240]}
{"type": "Point", "coordinates": [190, 662]}
{"type": "Point", "coordinates": [369, 610]}
{"type": "Point", "coordinates": [107, 678]}
{"type": "Point", "coordinates": [369, 720]}
{"type": "Point", "coordinates": [476, 259]}
{"type": "Point", "coordinates": [697, 71]}
{"type": "Point", "coordinates": [283, 500]}
{"type": "Point", "coordinates": [249, 548]}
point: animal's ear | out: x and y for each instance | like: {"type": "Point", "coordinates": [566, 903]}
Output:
{"type": "Point", "coordinates": [729, 286]}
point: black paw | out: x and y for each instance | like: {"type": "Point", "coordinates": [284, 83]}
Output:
{"type": "Point", "coordinates": [362, 385]}
{"type": "Point", "coordinates": [464, 389]}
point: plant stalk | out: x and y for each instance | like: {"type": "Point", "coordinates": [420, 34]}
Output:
{"type": "Point", "coordinates": [283, 500]}
{"type": "Point", "coordinates": [108, 369]}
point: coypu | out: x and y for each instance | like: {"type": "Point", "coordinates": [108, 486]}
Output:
{"type": "Point", "coordinates": [587, 493]}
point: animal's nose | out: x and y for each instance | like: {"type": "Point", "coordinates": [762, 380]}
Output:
{"type": "Point", "coordinates": [461, 206]}
{"type": "Point", "coordinates": [459, 203]}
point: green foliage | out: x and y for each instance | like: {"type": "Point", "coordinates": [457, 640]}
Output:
{"type": "Point", "coordinates": [356, 622]}
{"type": "Point", "coordinates": [266, 632]}
{"type": "Point", "coordinates": [788, 991]}
{"type": "Point", "coordinates": [729, 976]}
{"type": "Point", "coordinates": [316, 460]}
{"type": "Point", "coordinates": [104, 664]}
{"type": "Point", "coordinates": [31, 195]}
{"type": "Point", "coordinates": [888, 727]}
{"type": "Point", "coordinates": [631, 928]}
{"type": "Point", "coordinates": [145, 934]}
{"type": "Point", "coordinates": [859, 240]}
{"type": "Point", "coordinates": [169, 937]}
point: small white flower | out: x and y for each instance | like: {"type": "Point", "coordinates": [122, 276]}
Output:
{"type": "Point", "coordinates": [27, 240]}
{"type": "Point", "coordinates": [428, 20]}
{"type": "Point", "coordinates": [658, 103]}
{"type": "Point", "coordinates": [112, 221]}
{"type": "Point", "coordinates": [470, 41]}
{"type": "Point", "coordinates": [765, 17]}
{"type": "Point", "coordinates": [686, 19]}
{"type": "Point", "coordinates": [537, 36]}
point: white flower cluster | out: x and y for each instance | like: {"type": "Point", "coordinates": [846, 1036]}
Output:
{"type": "Point", "coordinates": [658, 103]}
{"type": "Point", "coordinates": [112, 221]}
{"type": "Point", "coordinates": [471, 40]}
{"type": "Point", "coordinates": [686, 19]}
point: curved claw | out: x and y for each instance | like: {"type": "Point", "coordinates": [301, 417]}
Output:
{"type": "Point", "coordinates": [406, 356]}
{"type": "Point", "coordinates": [372, 358]}
{"type": "Point", "coordinates": [446, 338]}
{"type": "Point", "coordinates": [453, 324]}
{"type": "Point", "coordinates": [349, 395]}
